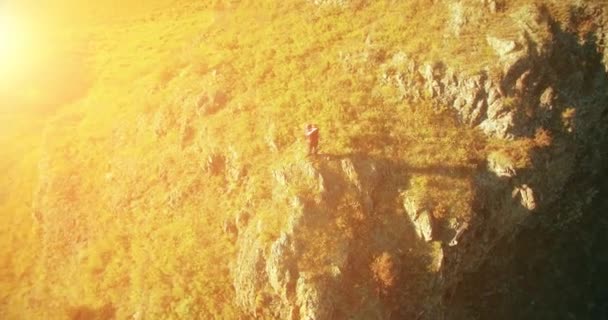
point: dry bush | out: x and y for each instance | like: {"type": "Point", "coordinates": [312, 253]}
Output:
{"type": "Point", "coordinates": [440, 211]}
{"type": "Point", "coordinates": [543, 138]}
{"type": "Point", "coordinates": [384, 270]}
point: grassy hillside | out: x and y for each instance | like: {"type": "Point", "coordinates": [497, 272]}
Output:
{"type": "Point", "coordinates": [116, 192]}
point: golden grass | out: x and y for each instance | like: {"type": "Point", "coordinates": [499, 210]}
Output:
{"type": "Point", "coordinates": [132, 213]}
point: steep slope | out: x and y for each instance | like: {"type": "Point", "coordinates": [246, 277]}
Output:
{"type": "Point", "coordinates": [176, 184]}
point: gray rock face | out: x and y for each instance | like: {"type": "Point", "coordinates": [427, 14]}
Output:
{"type": "Point", "coordinates": [420, 218]}
{"type": "Point", "coordinates": [501, 46]}
{"type": "Point", "coordinates": [547, 99]}
{"type": "Point", "coordinates": [298, 275]}
{"type": "Point", "coordinates": [279, 267]}
{"type": "Point", "coordinates": [458, 18]}
{"type": "Point", "coordinates": [526, 195]}
{"type": "Point", "coordinates": [465, 12]}
{"type": "Point", "coordinates": [486, 99]}
{"type": "Point", "coordinates": [459, 232]}
{"type": "Point", "coordinates": [478, 100]}
{"type": "Point", "coordinates": [249, 275]}
{"type": "Point", "coordinates": [314, 297]}
{"type": "Point", "coordinates": [501, 165]}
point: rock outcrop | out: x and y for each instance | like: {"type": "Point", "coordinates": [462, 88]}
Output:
{"type": "Point", "coordinates": [304, 270]}
{"type": "Point", "coordinates": [299, 275]}
{"type": "Point", "coordinates": [420, 218]}
{"type": "Point", "coordinates": [535, 84]}
{"type": "Point", "coordinates": [548, 74]}
{"type": "Point", "coordinates": [317, 263]}
{"type": "Point", "coordinates": [496, 100]}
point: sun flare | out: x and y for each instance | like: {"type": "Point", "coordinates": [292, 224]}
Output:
{"type": "Point", "coordinates": [9, 39]}
{"type": "Point", "coordinates": [14, 40]}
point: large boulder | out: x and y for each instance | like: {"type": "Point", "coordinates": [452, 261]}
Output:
{"type": "Point", "coordinates": [420, 217]}
{"type": "Point", "coordinates": [501, 165]}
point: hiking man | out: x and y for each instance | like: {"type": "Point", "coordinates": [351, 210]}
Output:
{"type": "Point", "coordinates": [312, 134]}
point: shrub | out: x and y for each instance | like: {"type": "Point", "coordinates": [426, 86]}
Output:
{"type": "Point", "coordinates": [384, 270]}
{"type": "Point", "coordinates": [542, 138]}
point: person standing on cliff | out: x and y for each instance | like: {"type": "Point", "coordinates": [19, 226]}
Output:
{"type": "Point", "coordinates": [312, 134]}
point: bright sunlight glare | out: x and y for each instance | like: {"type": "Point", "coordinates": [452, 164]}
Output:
{"type": "Point", "coordinates": [8, 36]}
{"type": "Point", "coordinates": [13, 42]}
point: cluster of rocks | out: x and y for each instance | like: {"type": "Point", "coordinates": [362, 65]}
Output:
{"type": "Point", "coordinates": [485, 99]}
